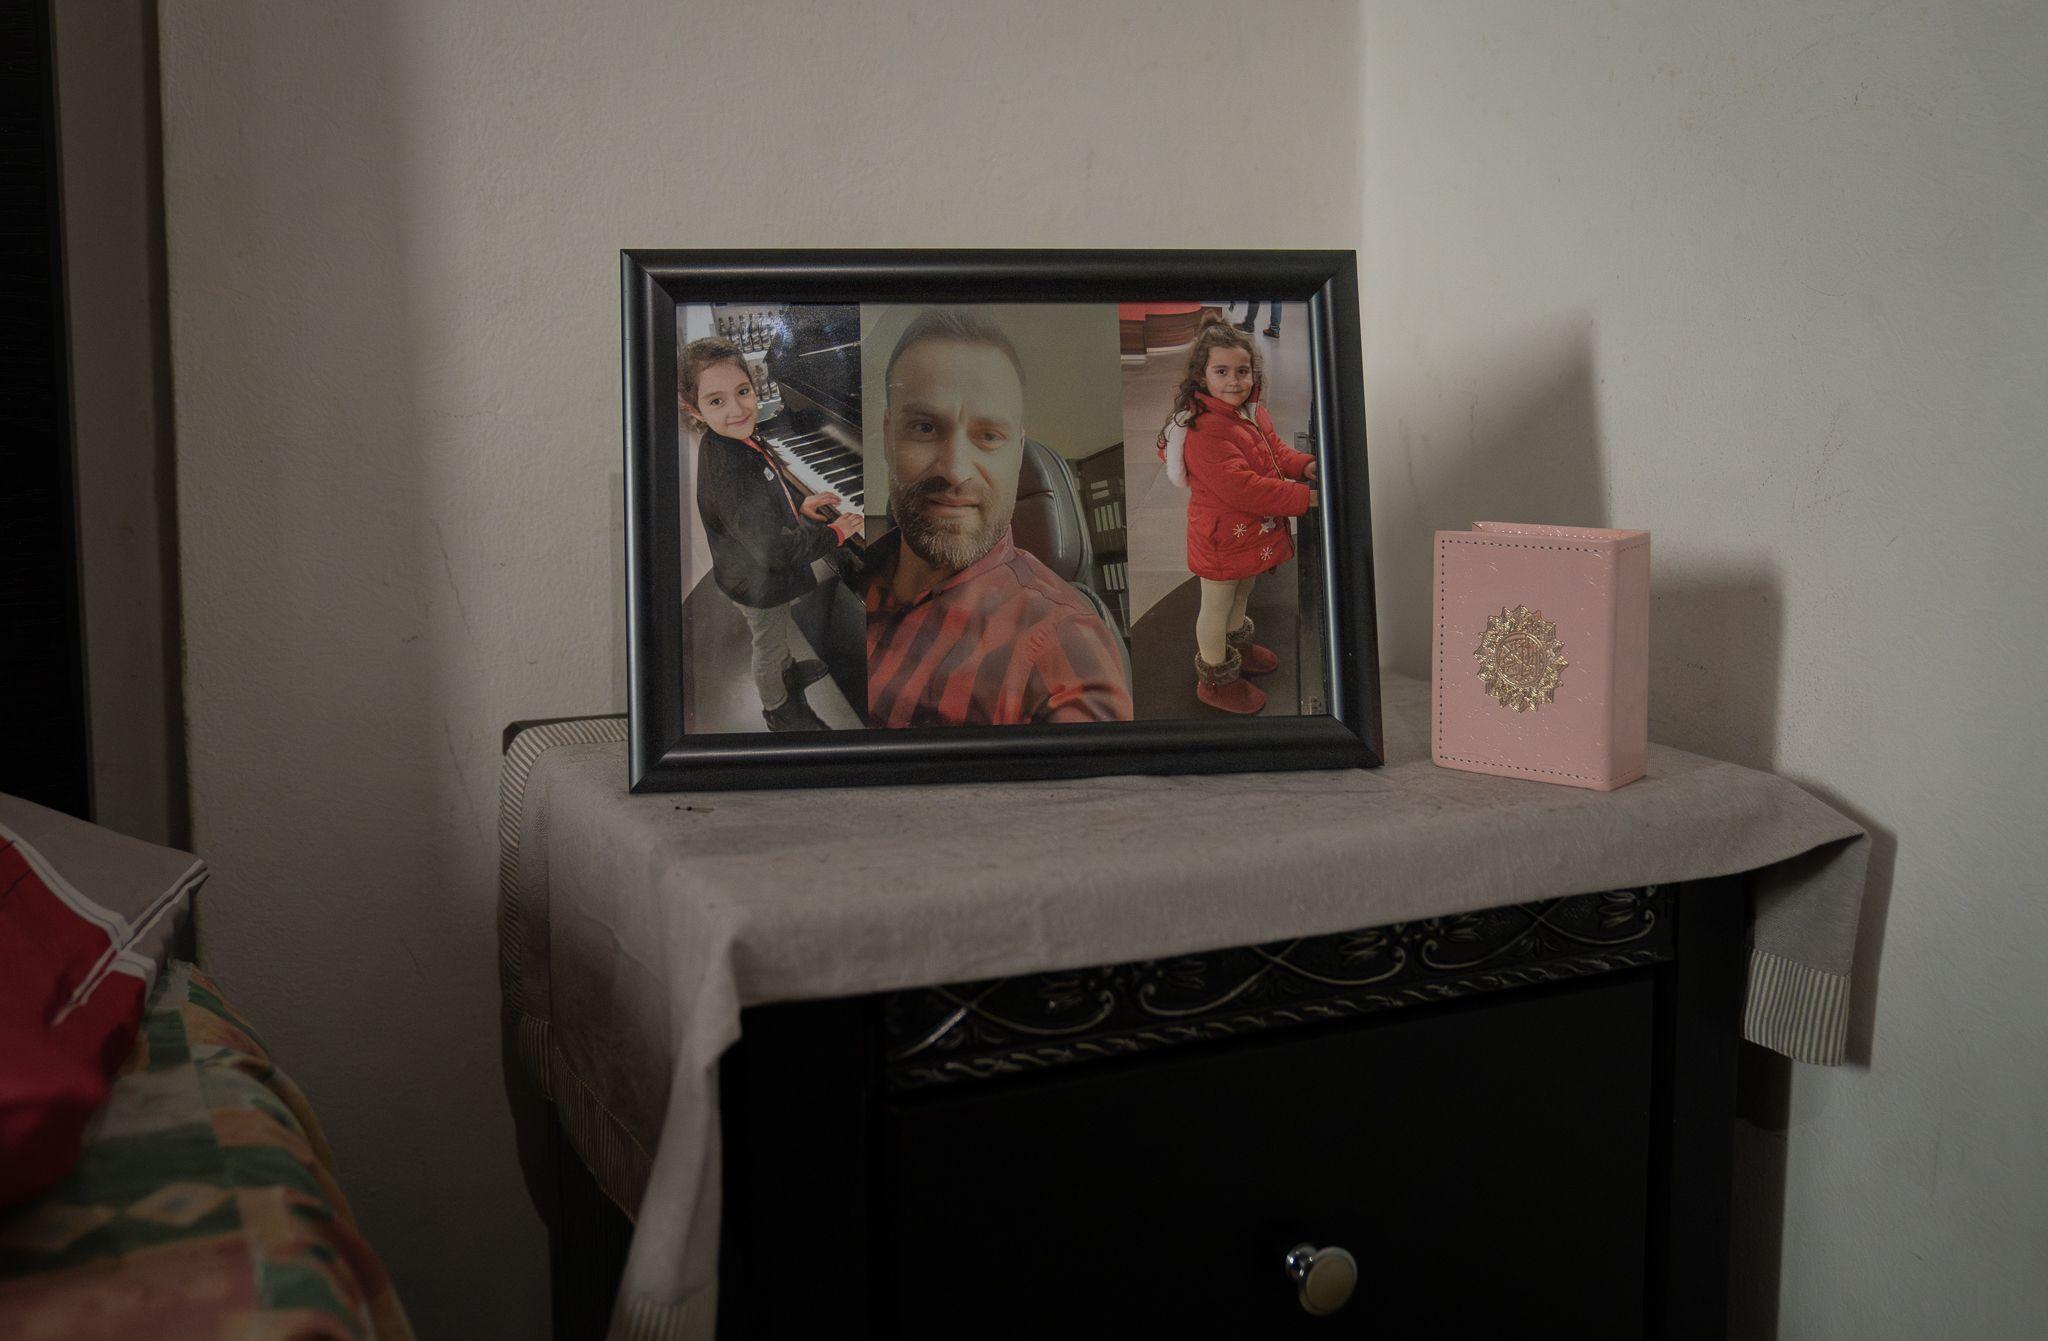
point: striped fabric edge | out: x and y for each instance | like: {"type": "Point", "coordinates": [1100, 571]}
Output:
{"type": "Point", "coordinates": [177, 897]}
{"type": "Point", "coordinates": [619, 1163]}
{"type": "Point", "coordinates": [638, 1318]}
{"type": "Point", "coordinates": [1796, 1009]}
{"type": "Point", "coordinates": [121, 934]}
{"type": "Point", "coordinates": [531, 1033]}
{"type": "Point", "coordinates": [527, 747]}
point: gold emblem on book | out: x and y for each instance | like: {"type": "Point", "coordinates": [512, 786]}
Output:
{"type": "Point", "coordinates": [1520, 659]}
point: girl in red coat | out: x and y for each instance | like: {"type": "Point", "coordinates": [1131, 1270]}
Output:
{"type": "Point", "coordinates": [1243, 483]}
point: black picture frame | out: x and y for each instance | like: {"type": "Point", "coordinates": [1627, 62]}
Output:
{"type": "Point", "coordinates": [664, 758]}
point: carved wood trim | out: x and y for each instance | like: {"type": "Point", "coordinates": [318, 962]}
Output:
{"type": "Point", "coordinates": [1035, 1022]}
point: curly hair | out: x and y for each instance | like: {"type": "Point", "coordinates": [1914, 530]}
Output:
{"type": "Point", "coordinates": [692, 360]}
{"type": "Point", "coordinates": [1216, 332]}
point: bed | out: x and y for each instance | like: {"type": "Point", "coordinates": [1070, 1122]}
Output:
{"type": "Point", "coordinates": [159, 1175]}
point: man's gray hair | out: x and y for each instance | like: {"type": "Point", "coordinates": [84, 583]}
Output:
{"type": "Point", "coordinates": [958, 325]}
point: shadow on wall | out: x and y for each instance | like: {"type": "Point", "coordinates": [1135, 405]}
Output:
{"type": "Point", "coordinates": [1717, 636]}
{"type": "Point", "coordinates": [1717, 639]}
{"type": "Point", "coordinates": [1764, 1101]}
{"type": "Point", "coordinates": [1716, 644]}
{"type": "Point", "coordinates": [1512, 435]}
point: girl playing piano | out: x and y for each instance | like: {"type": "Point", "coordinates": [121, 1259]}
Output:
{"type": "Point", "coordinates": [1242, 482]}
{"type": "Point", "coordinates": [763, 535]}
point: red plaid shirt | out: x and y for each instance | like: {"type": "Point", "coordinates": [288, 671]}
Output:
{"type": "Point", "coordinates": [1002, 642]}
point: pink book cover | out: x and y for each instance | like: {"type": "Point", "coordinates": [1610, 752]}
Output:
{"type": "Point", "coordinates": [1541, 665]}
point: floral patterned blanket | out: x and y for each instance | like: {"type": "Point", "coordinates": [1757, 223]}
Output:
{"type": "Point", "coordinates": [204, 1205]}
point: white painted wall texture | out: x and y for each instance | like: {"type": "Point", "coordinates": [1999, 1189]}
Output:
{"type": "Point", "coordinates": [1772, 281]}
{"type": "Point", "coordinates": [393, 233]}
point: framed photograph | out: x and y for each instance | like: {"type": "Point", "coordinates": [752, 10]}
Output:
{"type": "Point", "coordinates": [943, 516]}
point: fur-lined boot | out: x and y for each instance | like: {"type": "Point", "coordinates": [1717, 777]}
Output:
{"type": "Point", "coordinates": [1225, 687]}
{"type": "Point", "coordinates": [1257, 660]}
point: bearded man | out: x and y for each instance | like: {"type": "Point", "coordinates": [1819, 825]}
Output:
{"type": "Point", "coordinates": [964, 628]}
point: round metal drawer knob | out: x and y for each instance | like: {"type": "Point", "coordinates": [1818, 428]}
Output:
{"type": "Point", "coordinates": [1323, 1277]}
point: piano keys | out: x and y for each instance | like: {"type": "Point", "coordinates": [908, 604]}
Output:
{"type": "Point", "coordinates": [817, 463]}
{"type": "Point", "coordinates": [812, 358]}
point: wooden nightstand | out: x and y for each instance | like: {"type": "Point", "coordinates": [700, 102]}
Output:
{"type": "Point", "coordinates": [1517, 1122]}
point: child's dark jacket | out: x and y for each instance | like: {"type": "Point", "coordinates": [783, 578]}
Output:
{"type": "Point", "coordinates": [761, 547]}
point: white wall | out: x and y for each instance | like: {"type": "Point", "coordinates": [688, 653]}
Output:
{"type": "Point", "coordinates": [1772, 281]}
{"type": "Point", "coordinates": [394, 293]}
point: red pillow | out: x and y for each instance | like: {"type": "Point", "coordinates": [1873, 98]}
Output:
{"type": "Point", "coordinates": [86, 917]}
{"type": "Point", "coordinates": [47, 1095]}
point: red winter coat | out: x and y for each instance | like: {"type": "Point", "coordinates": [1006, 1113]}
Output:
{"type": "Point", "coordinates": [1243, 482]}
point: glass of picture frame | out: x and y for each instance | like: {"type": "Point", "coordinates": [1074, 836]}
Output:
{"type": "Point", "coordinates": [931, 516]}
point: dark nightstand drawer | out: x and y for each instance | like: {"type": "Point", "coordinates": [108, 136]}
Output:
{"type": "Point", "coordinates": [1487, 1163]}
{"type": "Point", "coordinates": [1518, 1121]}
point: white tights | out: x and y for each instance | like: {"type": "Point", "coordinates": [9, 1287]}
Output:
{"type": "Point", "coordinates": [1223, 606]}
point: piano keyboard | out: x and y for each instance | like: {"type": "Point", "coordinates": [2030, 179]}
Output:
{"type": "Point", "coordinates": [819, 463]}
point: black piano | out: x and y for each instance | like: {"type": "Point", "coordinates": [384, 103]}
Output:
{"type": "Point", "coordinates": [813, 372]}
